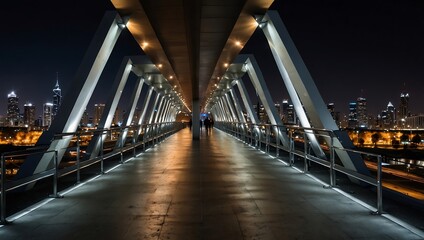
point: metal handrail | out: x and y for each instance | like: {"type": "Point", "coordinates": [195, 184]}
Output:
{"type": "Point", "coordinates": [161, 131]}
{"type": "Point", "coordinates": [231, 128]}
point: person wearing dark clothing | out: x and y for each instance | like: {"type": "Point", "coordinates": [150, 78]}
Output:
{"type": "Point", "coordinates": [207, 123]}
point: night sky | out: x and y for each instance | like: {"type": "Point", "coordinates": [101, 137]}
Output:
{"type": "Point", "coordinates": [373, 49]}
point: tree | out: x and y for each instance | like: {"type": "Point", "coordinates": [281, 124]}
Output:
{"type": "Point", "coordinates": [374, 138]}
{"type": "Point", "coordinates": [416, 139]}
{"type": "Point", "coordinates": [361, 142]}
{"type": "Point", "coordinates": [395, 143]}
{"type": "Point", "coordinates": [404, 138]}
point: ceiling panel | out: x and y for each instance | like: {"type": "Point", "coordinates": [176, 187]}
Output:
{"type": "Point", "coordinates": [193, 53]}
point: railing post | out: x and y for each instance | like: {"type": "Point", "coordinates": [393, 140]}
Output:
{"type": "Point", "coordinates": [379, 186]}
{"type": "Point", "coordinates": [305, 152]}
{"type": "Point", "coordinates": [55, 176]}
{"type": "Point", "coordinates": [259, 146]}
{"type": "Point", "coordinates": [156, 135]}
{"type": "Point", "coordinates": [122, 145]}
{"type": "Point", "coordinates": [144, 137]}
{"type": "Point", "coordinates": [101, 150]}
{"type": "Point", "coordinates": [3, 190]}
{"type": "Point", "coordinates": [291, 149]}
{"type": "Point", "coordinates": [277, 141]}
{"type": "Point", "coordinates": [78, 158]}
{"type": "Point", "coordinates": [268, 138]}
{"type": "Point", "coordinates": [135, 135]}
{"type": "Point", "coordinates": [251, 134]}
{"type": "Point", "coordinates": [332, 163]}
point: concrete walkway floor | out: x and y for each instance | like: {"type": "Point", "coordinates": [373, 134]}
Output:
{"type": "Point", "coordinates": [214, 188]}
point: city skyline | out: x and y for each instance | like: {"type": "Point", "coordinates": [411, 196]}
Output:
{"type": "Point", "coordinates": [350, 51]}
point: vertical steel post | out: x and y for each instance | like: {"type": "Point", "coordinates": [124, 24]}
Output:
{"type": "Point", "coordinates": [291, 147]}
{"type": "Point", "coordinates": [305, 152]}
{"type": "Point", "coordinates": [55, 175]}
{"type": "Point", "coordinates": [268, 137]}
{"type": "Point", "coordinates": [379, 186]}
{"type": "Point", "coordinates": [332, 172]}
{"type": "Point", "coordinates": [135, 135]}
{"type": "Point", "coordinates": [101, 151]}
{"type": "Point", "coordinates": [78, 158]}
{"type": "Point", "coordinates": [122, 145]}
{"type": "Point", "coordinates": [277, 141]}
{"type": "Point", "coordinates": [3, 190]}
{"type": "Point", "coordinates": [143, 138]}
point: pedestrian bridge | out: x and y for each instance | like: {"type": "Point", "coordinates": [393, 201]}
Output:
{"type": "Point", "coordinates": [153, 177]}
{"type": "Point", "coordinates": [217, 187]}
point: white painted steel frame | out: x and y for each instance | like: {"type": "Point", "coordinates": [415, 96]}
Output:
{"type": "Point", "coordinates": [131, 109]}
{"type": "Point", "coordinates": [75, 102]}
{"type": "Point", "coordinates": [302, 88]}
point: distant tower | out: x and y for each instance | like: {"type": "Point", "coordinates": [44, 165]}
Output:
{"type": "Point", "coordinates": [29, 114]}
{"type": "Point", "coordinates": [57, 97]}
{"type": "Point", "coordinates": [84, 119]}
{"type": "Point", "coordinates": [12, 109]}
{"type": "Point", "coordinates": [278, 108]}
{"type": "Point", "coordinates": [116, 117]}
{"type": "Point", "coordinates": [47, 114]}
{"type": "Point", "coordinates": [284, 110]}
{"type": "Point", "coordinates": [352, 119]}
{"type": "Point", "coordinates": [291, 115]}
{"type": "Point", "coordinates": [361, 111]}
{"type": "Point", "coordinates": [98, 111]}
{"type": "Point", "coordinates": [404, 106]}
{"type": "Point", "coordinates": [330, 107]}
{"type": "Point", "coordinates": [388, 116]}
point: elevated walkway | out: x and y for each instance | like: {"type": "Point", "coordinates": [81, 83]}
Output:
{"type": "Point", "coordinates": [214, 188]}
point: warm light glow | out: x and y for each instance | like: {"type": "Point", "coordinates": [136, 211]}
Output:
{"type": "Point", "coordinates": [225, 64]}
{"type": "Point", "coordinates": [171, 77]}
{"type": "Point", "coordinates": [144, 44]}
{"type": "Point", "coordinates": [159, 65]}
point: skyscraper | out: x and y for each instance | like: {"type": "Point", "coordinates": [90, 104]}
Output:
{"type": "Point", "coordinates": [13, 115]}
{"type": "Point", "coordinates": [84, 119]}
{"type": "Point", "coordinates": [284, 110]}
{"type": "Point", "coordinates": [291, 115]}
{"type": "Point", "coordinates": [330, 107]}
{"type": "Point", "coordinates": [361, 112]}
{"type": "Point", "coordinates": [404, 106]}
{"type": "Point", "coordinates": [57, 98]}
{"type": "Point", "coordinates": [47, 114]}
{"type": "Point", "coordinates": [352, 118]}
{"type": "Point", "coordinates": [388, 116]}
{"type": "Point", "coordinates": [29, 114]}
{"type": "Point", "coordinates": [98, 111]}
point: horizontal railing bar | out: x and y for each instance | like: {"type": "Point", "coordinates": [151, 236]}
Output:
{"type": "Point", "coordinates": [28, 180]}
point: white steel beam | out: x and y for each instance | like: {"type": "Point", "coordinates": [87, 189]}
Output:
{"type": "Point", "coordinates": [75, 102]}
{"type": "Point", "coordinates": [301, 86]}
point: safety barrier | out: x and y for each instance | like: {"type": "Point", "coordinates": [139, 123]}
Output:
{"type": "Point", "coordinates": [266, 137]}
{"type": "Point", "coordinates": [138, 138]}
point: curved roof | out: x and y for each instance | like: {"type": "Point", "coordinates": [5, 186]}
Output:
{"type": "Point", "coordinates": [192, 42]}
